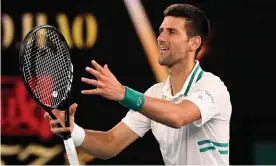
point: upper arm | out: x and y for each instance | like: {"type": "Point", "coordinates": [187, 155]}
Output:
{"type": "Point", "coordinates": [192, 112]}
{"type": "Point", "coordinates": [121, 136]}
{"type": "Point", "coordinates": [205, 102]}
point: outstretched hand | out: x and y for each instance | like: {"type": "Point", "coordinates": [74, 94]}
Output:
{"type": "Point", "coordinates": [106, 83]}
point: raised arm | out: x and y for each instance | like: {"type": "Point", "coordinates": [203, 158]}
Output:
{"type": "Point", "coordinates": [100, 144]}
{"type": "Point", "coordinates": [161, 111]}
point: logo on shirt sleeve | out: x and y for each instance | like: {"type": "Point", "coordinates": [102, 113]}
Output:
{"type": "Point", "coordinates": [204, 95]}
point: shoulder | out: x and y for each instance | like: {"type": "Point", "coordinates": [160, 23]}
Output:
{"type": "Point", "coordinates": [213, 83]}
{"type": "Point", "coordinates": [213, 88]}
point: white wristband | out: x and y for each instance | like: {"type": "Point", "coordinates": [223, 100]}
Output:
{"type": "Point", "coordinates": [78, 135]}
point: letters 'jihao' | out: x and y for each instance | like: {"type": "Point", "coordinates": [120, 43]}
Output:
{"type": "Point", "coordinates": [81, 32]}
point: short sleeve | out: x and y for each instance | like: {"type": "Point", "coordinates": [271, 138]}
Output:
{"type": "Point", "coordinates": [137, 122]}
{"type": "Point", "coordinates": [208, 96]}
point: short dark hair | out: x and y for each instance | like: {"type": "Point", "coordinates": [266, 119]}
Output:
{"type": "Point", "coordinates": [197, 21]}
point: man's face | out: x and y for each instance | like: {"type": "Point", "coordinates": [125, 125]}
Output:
{"type": "Point", "coordinates": [172, 41]}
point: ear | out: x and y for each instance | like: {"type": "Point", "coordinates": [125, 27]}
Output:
{"type": "Point", "coordinates": [194, 43]}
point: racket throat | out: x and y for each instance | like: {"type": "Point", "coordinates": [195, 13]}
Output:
{"type": "Point", "coordinates": [66, 135]}
{"type": "Point", "coordinates": [65, 107]}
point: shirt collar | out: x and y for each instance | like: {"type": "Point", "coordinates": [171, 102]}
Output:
{"type": "Point", "coordinates": [193, 77]}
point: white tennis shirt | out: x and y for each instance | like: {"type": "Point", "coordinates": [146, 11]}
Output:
{"type": "Point", "coordinates": [202, 142]}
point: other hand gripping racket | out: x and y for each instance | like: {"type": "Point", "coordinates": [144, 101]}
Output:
{"type": "Point", "coordinates": [47, 72]}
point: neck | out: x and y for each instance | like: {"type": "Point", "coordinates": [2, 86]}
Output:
{"type": "Point", "coordinates": [179, 74]}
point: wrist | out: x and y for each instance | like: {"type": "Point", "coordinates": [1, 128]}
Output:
{"type": "Point", "coordinates": [133, 99]}
{"type": "Point", "coordinates": [78, 135]}
{"type": "Point", "coordinates": [123, 93]}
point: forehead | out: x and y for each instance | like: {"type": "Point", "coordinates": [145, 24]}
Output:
{"type": "Point", "coordinates": [173, 22]}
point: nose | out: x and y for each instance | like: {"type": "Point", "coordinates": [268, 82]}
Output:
{"type": "Point", "coordinates": [161, 38]}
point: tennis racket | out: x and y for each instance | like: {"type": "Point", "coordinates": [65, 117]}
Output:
{"type": "Point", "coordinates": [47, 72]}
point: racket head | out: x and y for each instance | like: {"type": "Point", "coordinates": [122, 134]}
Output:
{"type": "Point", "coordinates": [46, 67]}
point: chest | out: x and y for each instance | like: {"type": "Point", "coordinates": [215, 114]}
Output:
{"type": "Point", "coordinates": [165, 135]}
{"type": "Point", "coordinates": [168, 136]}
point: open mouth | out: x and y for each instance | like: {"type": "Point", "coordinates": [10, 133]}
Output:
{"type": "Point", "coordinates": [163, 49]}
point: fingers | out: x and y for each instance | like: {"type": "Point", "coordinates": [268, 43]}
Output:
{"type": "Point", "coordinates": [108, 72]}
{"type": "Point", "coordinates": [53, 123]}
{"type": "Point", "coordinates": [106, 69]}
{"type": "Point", "coordinates": [97, 66]}
{"type": "Point", "coordinates": [92, 92]}
{"type": "Point", "coordinates": [93, 82]}
{"type": "Point", "coordinates": [99, 69]}
{"type": "Point", "coordinates": [94, 72]}
{"type": "Point", "coordinates": [72, 109]}
{"type": "Point", "coordinates": [57, 130]}
{"type": "Point", "coordinates": [46, 116]}
{"type": "Point", "coordinates": [89, 81]}
{"type": "Point", "coordinates": [104, 78]}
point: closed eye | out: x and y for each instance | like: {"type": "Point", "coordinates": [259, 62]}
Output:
{"type": "Point", "coordinates": [170, 30]}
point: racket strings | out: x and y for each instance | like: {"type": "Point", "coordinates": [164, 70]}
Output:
{"type": "Point", "coordinates": [46, 66]}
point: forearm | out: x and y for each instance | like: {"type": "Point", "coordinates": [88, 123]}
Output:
{"type": "Point", "coordinates": [98, 144]}
{"type": "Point", "coordinates": [163, 111]}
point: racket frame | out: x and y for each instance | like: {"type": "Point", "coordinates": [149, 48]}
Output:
{"type": "Point", "coordinates": [64, 104]}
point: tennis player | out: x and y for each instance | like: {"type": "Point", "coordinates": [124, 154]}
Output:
{"type": "Point", "coordinates": [189, 114]}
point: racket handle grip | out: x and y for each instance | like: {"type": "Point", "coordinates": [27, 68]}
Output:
{"type": "Point", "coordinates": [65, 135]}
{"type": "Point", "coordinates": [54, 117]}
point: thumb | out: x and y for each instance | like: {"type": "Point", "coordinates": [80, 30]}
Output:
{"type": "Point", "coordinates": [72, 109]}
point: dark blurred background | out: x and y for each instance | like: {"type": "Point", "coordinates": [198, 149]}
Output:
{"type": "Point", "coordinates": [240, 52]}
